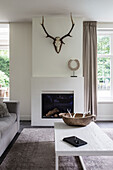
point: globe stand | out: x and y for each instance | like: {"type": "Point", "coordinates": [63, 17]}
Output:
{"type": "Point", "coordinates": [73, 74]}
{"type": "Point", "coordinates": [73, 68]}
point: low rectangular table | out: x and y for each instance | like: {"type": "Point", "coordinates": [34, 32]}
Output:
{"type": "Point", "coordinates": [98, 143]}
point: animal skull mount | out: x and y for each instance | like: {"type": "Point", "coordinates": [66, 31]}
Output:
{"type": "Point", "coordinates": [57, 41]}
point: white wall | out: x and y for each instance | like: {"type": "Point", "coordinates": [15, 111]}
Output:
{"type": "Point", "coordinates": [20, 66]}
{"type": "Point", "coordinates": [46, 62]}
{"type": "Point", "coordinates": [105, 111]}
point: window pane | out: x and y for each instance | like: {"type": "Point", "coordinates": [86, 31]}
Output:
{"type": "Point", "coordinates": [103, 44]}
{"type": "Point", "coordinates": [104, 77]}
{"type": "Point", "coordinates": [4, 60]}
{"type": "Point", "coordinates": [4, 34]}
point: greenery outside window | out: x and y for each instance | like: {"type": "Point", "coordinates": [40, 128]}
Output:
{"type": "Point", "coordinates": [105, 64]}
{"type": "Point", "coordinates": [4, 61]}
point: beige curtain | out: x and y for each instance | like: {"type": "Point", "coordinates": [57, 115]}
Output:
{"type": "Point", "coordinates": [90, 66]}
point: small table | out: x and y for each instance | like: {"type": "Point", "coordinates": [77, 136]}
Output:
{"type": "Point", "coordinates": [98, 143]}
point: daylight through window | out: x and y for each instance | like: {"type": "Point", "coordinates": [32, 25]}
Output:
{"type": "Point", "coordinates": [4, 61]}
{"type": "Point", "coordinates": [104, 62]}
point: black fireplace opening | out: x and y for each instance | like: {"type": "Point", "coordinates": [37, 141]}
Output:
{"type": "Point", "coordinates": [53, 104]}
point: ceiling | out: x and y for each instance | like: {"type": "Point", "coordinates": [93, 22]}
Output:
{"type": "Point", "coordinates": [25, 10]}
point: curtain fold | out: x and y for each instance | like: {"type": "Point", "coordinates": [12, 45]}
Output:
{"type": "Point", "coordinates": [90, 66]}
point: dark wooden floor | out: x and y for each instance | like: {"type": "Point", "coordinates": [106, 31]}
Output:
{"type": "Point", "coordinates": [101, 124]}
{"type": "Point", "coordinates": [105, 124]}
{"type": "Point", "coordinates": [27, 124]}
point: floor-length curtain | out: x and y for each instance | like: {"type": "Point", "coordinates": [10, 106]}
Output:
{"type": "Point", "coordinates": [90, 66]}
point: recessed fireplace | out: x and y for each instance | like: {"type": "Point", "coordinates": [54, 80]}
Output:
{"type": "Point", "coordinates": [55, 103]}
{"type": "Point", "coordinates": [54, 85]}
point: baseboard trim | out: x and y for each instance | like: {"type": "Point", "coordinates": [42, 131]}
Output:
{"type": "Point", "coordinates": [99, 118]}
{"type": "Point", "coordinates": [105, 118]}
{"type": "Point", "coordinates": [25, 117]}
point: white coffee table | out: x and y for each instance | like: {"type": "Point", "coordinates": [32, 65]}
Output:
{"type": "Point", "coordinates": [98, 143]}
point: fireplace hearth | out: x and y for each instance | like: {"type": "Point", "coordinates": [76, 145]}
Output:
{"type": "Point", "coordinates": [53, 104]}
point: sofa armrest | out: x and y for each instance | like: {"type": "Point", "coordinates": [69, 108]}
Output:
{"type": "Point", "coordinates": [13, 107]}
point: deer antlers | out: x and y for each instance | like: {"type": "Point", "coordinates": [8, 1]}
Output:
{"type": "Point", "coordinates": [68, 34]}
{"type": "Point", "coordinates": [45, 29]}
{"type": "Point", "coordinates": [57, 41]}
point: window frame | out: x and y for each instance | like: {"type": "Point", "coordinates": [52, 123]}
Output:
{"type": "Point", "coordinates": [5, 45]}
{"type": "Point", "coordinates": [106, 32]}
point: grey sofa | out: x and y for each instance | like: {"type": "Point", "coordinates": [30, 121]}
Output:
{"type": "Point", "coordinates": [9, 126]}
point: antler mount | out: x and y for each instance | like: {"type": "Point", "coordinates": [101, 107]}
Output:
{"type": "Point", "coordinates": [57, 41]}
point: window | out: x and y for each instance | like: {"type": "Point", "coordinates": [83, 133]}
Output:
{"type": "Point", "coordinates": [104, 64]}
{"type": "Point", "coordinates": [4, 60]}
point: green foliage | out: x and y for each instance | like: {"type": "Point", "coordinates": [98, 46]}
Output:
{"type": "Point", "coordinates": [4, 79]}
{"type": "Point", "coordinates": [103, 66]}
{"type": "Point", "coordinates": [4, 68]}
{"type": "Point", "coordinates": [103, 45]}
{"type": "Point", "coordinates": [4, 64]}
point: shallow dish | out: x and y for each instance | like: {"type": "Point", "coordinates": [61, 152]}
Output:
{"type": "Point", "coordinates": [78, 119]}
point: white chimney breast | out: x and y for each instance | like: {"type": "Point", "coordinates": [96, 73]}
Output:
{"type": "Point", "coordinates": [54, 84]}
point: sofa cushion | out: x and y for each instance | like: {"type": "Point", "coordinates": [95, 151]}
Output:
{"type": "Point", "coordinates": [3, 110]}
{"type": "Point", "coordinates": [6, 122]}
{"type": "Point", "coordinates": [1, 99]}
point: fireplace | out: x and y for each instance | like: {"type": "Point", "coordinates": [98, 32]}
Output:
{"type": "Point", "coordinates": [67, 86]}
{"type": "Point", "coordinates": [53, 104]}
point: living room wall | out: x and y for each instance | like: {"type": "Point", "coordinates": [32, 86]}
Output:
{"type": "Point", "coordinates": [53, 64]}
{"type": "Point", "coordinates": [45, 61]}
{"type": "Point", "coordinates": [20, 66]}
